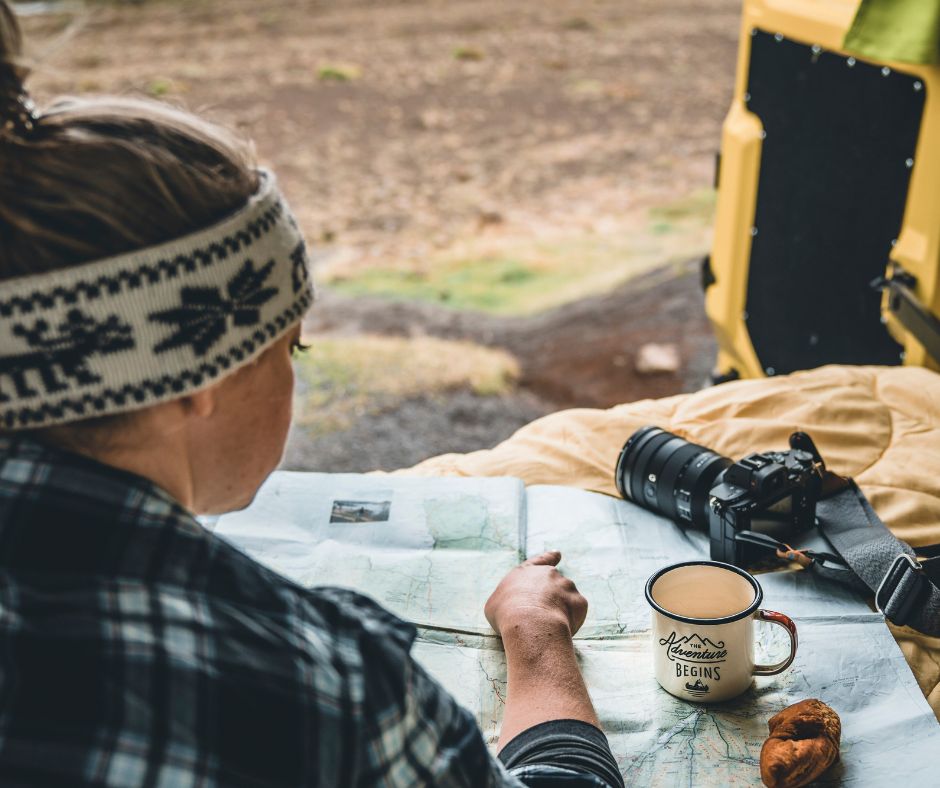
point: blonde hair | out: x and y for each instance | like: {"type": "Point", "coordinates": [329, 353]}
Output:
{"type": "Point", "coordinates": [101, 176]}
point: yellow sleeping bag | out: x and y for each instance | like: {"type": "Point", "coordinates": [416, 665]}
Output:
{"type": "Point", "coordinates": [880, 425]}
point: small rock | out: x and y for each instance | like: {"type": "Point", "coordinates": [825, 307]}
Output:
{"type": "Point", "coordinates": [488, 217]}
{"type": "Point", "coordinates": [431, 119]}
{"type": "Point", "coordinates": [654, 358]}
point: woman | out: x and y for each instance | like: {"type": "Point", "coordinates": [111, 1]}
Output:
{"type": "Point", "coordinates": [152, 283]}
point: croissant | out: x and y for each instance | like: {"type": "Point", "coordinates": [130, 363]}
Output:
{"type": "Point", "coordinates": [803, 743]}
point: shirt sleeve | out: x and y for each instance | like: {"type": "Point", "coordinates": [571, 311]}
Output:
{"type": "Point", "coordinates": [562, 753]}
{"type": "Point", "coordinates": [417, 734]}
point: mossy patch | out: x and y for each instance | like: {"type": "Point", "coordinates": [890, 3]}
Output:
{"type": "Point", "coordinates": [159, 87]}
{"type": "Point", "coordinates": [487, 283]}
{"type": "Point", "coordinates": [339, 72]}
{"type": "Point", "coordinates": [470, 53]}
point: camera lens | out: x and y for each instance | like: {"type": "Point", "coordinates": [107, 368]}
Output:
{"type": "Point", "coordinates": [665, 473]}
{"type": "Point", "coordinates": [627, 458]}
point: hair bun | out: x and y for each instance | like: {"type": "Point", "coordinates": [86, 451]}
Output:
{"type": "Point", "coordinates": [17, 113]}
{"type": "Point", "coordinates": [17, 110]}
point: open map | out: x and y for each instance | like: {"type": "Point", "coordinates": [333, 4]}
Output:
{"type": "Point", "coordinates": [432, 551]}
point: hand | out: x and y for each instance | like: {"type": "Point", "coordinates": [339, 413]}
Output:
{"type": "Point", "coordinates": [535, 594]}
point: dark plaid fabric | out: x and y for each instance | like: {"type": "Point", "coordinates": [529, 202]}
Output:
{"type": "Point", "coordinates": [138, 649]}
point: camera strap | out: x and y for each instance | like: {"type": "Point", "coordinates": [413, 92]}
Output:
{"type": "Point", "coordinates": [905, 581]}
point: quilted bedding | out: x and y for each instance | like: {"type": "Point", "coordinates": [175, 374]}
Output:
{"type": "Point", "coordinates": [880, 425]}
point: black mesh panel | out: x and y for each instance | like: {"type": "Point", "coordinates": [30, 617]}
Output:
{"type": "Point", "coordinates": [834, 174]}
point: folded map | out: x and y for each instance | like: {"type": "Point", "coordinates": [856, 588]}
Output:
{"type": "Point", "coordinates": [432, 551]}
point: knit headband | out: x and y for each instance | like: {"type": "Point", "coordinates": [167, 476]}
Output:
{"type": "Point", "coordinates": [151, 325]}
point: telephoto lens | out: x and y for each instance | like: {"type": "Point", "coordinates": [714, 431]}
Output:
{"type": "Point", "coordinates": [665, 473]}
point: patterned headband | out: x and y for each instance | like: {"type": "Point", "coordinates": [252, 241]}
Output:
{"type": "Point", "coordinates": [151, 325]}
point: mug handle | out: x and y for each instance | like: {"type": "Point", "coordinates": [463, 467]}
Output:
{"type": "Point", "coordinates": [786, 622]}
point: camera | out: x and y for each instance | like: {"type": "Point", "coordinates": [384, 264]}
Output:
{"type": "Point", "coordinates": [745, 507]}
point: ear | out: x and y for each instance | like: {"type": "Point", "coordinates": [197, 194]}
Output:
{"type": "Point", "coordinates": [200, 403]}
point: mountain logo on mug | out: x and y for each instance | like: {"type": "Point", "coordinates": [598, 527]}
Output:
{"type": "Point", "coordinates": [694, 648]}
{"type": "Point", "coordinates": [702, 630]}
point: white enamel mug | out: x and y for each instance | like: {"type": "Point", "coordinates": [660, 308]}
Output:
{"type": "Point", "coordinates": [703, 630]}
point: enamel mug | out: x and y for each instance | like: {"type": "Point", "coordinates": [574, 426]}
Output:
{"type": "Point", "coordinates": [703, 630]}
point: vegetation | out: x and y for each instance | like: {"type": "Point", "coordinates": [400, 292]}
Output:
{"type": "Point", "coordinates": [515, 276]}
{"type": "Point", "coordinates": [469, 53]}
{"type": "Point", "coordinates": [339, 72]}
{"type": "Point", "coordinates": [342, 378]}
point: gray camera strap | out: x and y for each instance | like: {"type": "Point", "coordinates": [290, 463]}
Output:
{"type": "Point", "coordinates": [906, 582]}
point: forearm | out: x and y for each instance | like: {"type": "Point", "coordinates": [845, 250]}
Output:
{"type": "Point", "coordinates": [544, 680]}
{"type": "Point", "coordinates": [550, 735]}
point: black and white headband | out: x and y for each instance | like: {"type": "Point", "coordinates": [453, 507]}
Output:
{"type": "Point", "coordinates": [151, 325]}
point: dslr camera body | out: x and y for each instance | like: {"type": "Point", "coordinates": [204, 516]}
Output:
{"type": "Point", "coordinates": [745, 507]}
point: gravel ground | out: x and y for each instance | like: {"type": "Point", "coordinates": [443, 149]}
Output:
{"type": "Point", "coordinates": [412, 430]}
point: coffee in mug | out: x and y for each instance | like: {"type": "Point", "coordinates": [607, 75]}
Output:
{"type": "Point", "coordinates": [703, 630]}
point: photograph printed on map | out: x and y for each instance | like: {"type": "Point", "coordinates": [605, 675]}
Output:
{"type": "Point", "coordinates": [360, 511]}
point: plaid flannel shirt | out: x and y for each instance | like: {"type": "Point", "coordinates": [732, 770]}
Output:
{"type": "Point", "coordinates": [138, 649]}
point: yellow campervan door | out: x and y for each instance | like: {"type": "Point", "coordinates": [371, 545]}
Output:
{"type": "Point", "coordinates": [829, 178]}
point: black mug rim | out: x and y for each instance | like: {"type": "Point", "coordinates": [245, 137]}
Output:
{"type": "Point", "coordinates": [749, 610]}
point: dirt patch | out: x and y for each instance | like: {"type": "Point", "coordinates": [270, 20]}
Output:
{"type": "Point", "coordinates": [569, 115]}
